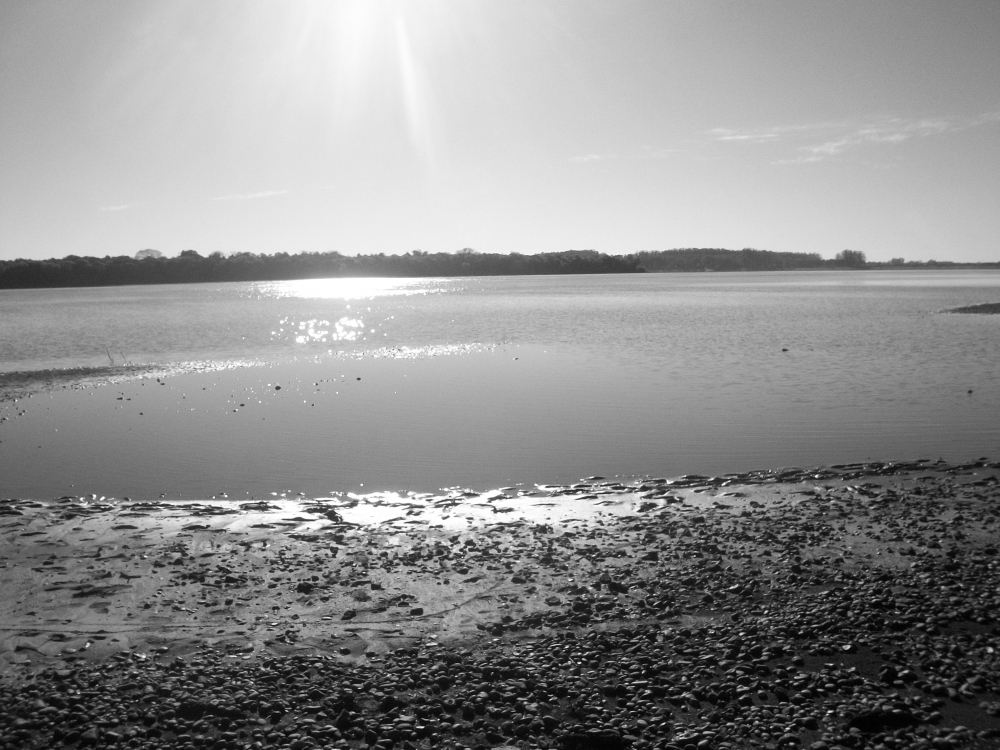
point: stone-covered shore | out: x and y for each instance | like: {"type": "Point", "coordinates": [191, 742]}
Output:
{"type": "Point", "coordinates": [847, 607]}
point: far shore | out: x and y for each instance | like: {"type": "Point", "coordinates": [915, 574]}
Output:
{"type": "Point", "coordinates": [152, 267]}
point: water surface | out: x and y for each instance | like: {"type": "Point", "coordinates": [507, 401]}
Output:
{"type": "Point", "coordinates": [494, 381]}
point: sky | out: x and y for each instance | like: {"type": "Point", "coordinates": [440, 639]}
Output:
{"type": "Point", "coordinates": [384, 126]}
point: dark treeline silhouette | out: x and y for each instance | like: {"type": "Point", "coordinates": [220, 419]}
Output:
{"type": "Point", "coordinates": [748, 259]}
{"type": "Point", "coordinates": [191, 267]}
{"type": "Point", "coordinates": [150, 267]}
{"type": "Point", "coordinates": [717, 259]}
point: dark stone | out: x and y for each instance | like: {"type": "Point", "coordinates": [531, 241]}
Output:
{"type": "Point", "coordinates": [390, 702]}
{"type": "Point", "coordinates": [596, 739]}
{"type": "Point", "coordinates": [872, 722]}
{"type": "Point", "coordinates": [343, 720]}
{"type": "Point", "coordinates": [90, 736]}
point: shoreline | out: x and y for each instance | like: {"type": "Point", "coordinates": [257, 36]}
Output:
{"type": "Point", "coordinates": [19, 385]}
{"type": "Point", "coordinates": [143, 272]}
{"type": "Point", "coordinates": [810, 600]}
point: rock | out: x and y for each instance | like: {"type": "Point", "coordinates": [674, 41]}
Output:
{"type": "Point", "coordinates": [871, 722]}
{"type": "Point", "coordinates": [90, 736]}
{"type": "Point", "coordinates": [597, 739]}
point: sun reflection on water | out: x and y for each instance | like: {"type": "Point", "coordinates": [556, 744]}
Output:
{"type": "Point", "coordinates": [322, 331]}
{"type": "Point", "coordinates": [346, 288]}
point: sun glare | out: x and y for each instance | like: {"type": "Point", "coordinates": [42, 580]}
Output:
{"type": "Point", "coordinates": [371, 58]}
{"type": "Point", "coordinates": [415, 96]}
{"type": "Point", "coordinates": [346, 288]}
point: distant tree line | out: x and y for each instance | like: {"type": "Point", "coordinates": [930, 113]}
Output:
{"type": "Point", "coordinates": [150, 267]}
{"type": "Point", "coordinates": [718, 259]}
{"type": "Point", "coordinates": [850, 259]}
{"type": "Point", "coordinates": [749, 259]}
{"type": "Point", "coordinates": [915, 264]}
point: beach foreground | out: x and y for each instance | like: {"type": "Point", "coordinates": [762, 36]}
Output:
{"type": "Point", "coordinates": [852, 606]}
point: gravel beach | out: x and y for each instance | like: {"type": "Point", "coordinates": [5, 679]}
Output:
{"type": "Point", "coordinates": [845, 607]}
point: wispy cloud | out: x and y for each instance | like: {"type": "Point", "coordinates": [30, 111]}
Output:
{"type": "Point", "coordinates": [647, 152]}
{"type": "Point", "coordinates": [590, 157]}
{"type": "Point", "coordinates": [249, 196]}
{"type": "Point", "coordinates": [119, 207]}
{"type": "Point", "coordinates": [725, 134]}
{"type": "Point", "coordinates": [815, 142]}
{"type": "Point", "coordinates": [808, 143]}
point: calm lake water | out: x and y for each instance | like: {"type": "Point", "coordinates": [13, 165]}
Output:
{"type": "Point", "coordinates": [426, 383]}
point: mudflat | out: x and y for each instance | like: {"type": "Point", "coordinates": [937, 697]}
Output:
{"type": "Point", "coordinates": [851, 606]}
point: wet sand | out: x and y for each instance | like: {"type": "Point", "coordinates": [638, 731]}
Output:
{"type": "Point", "coordinates": [852, 606]}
